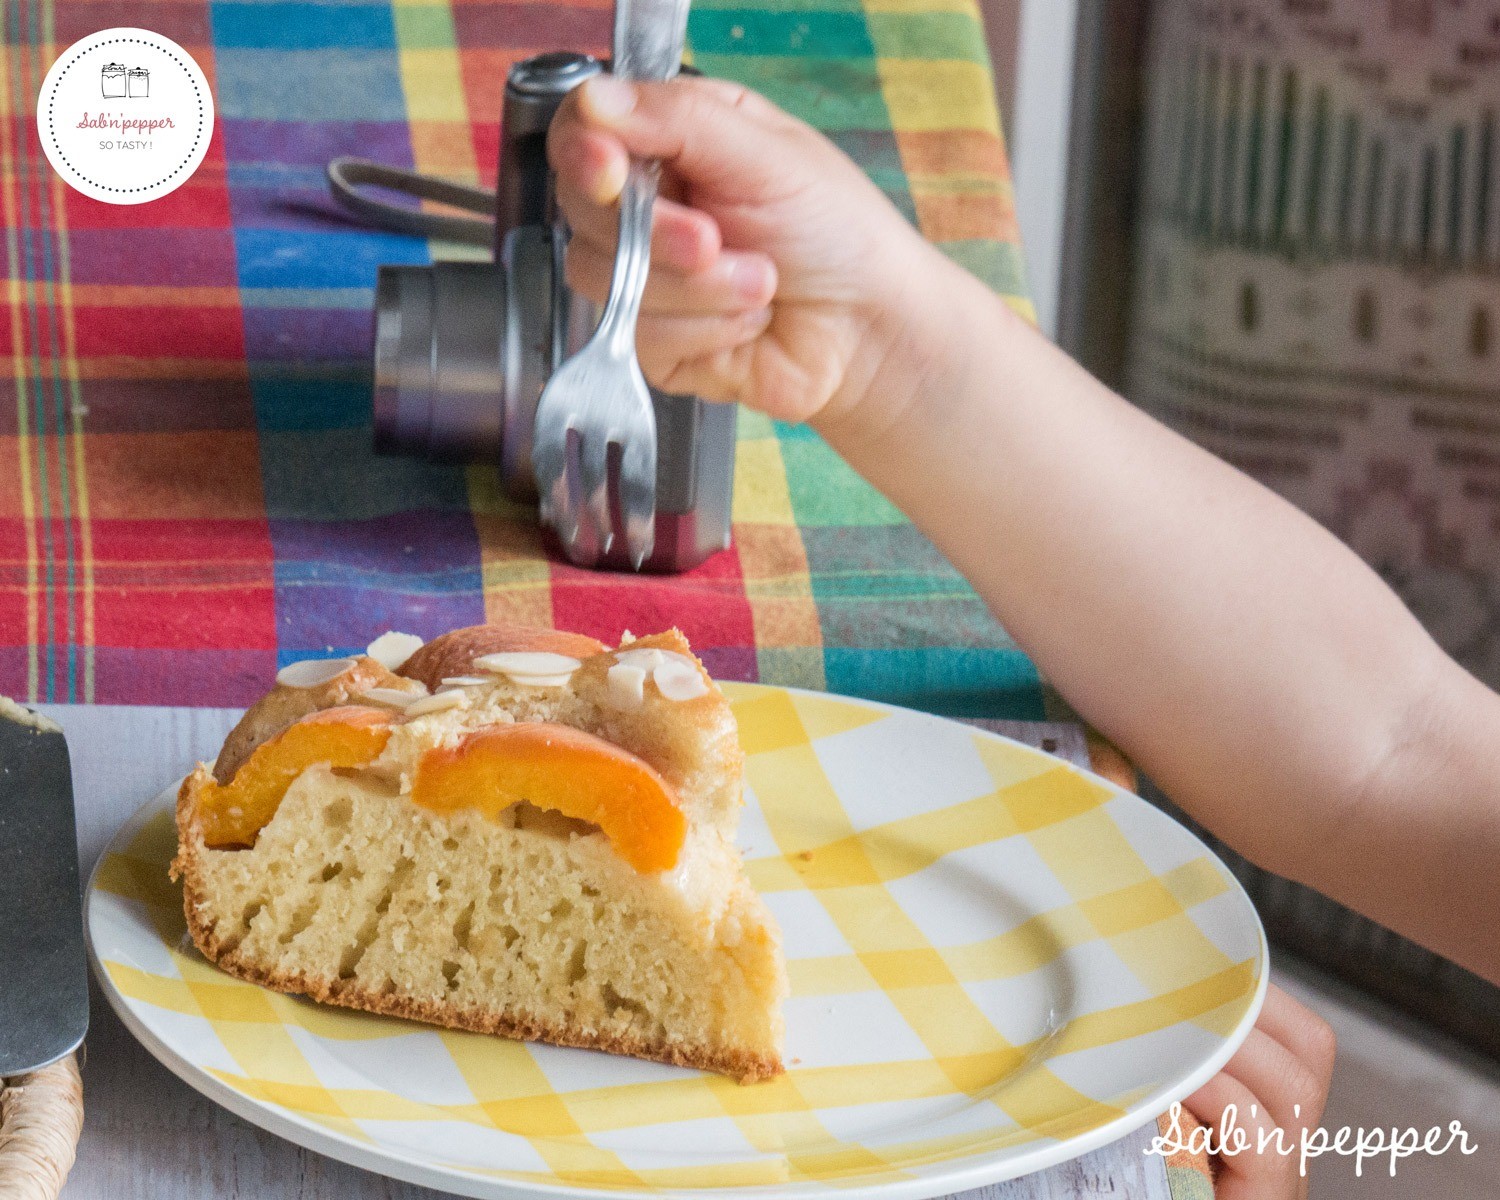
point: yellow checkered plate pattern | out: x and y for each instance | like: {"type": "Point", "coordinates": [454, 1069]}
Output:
{"type": "Point", "coordinates": [998, 962]}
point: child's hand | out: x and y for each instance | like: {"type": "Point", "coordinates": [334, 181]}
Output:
{"type": "Point", "coordinates": [1283, 1070]}
{"type": "Point", "coordinates": [780, 276]}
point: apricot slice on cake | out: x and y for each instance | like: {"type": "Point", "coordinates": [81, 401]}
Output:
{"type": "Point", "coordinates": [233, 813]}
{"type": "Point", "coordinates": [565, 770]}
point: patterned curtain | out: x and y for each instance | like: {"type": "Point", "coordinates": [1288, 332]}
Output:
{"type": "Point", "coordinates": [1319, 276]}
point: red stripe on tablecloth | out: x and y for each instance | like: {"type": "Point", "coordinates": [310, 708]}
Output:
{"type": "Point", "coordinates": [707, 603]}
{"type": "Point", "coordinates": [149, 332]}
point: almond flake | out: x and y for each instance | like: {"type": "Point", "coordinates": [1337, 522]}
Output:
{"type": "Point", "coordinates": [542, 681]}
{"type": "Point", "coordinates": [390, 697]}
{"type": "Point", "coordinates": [463, 681]}
{"type": "Point", "coordinates": [392, 649]}
{"type": "Point", "coordinates": [677, 679]}
{"type": "Point", "coordinates": [627, 686]}
{"type": "Point", "coordinates": [311, 672]}
{"type": "Point", "coordinates": [527, 662]}
{"type": "Point", "coordinates": [646, 658]}
{"type": "Point", "coordinates": [437, 702]}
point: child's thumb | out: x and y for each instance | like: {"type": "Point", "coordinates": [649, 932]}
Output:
{"type": "Point", "coordinates": [708, 130]}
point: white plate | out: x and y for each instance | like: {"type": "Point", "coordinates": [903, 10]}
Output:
{"type": "Point", "coordinates": [998, 963]}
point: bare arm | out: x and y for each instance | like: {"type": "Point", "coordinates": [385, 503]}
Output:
{"type": "Point", "coordinates": [1255, 668]}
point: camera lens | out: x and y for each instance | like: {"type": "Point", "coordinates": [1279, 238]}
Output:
{"type": "Point", "coordinates": [439, 390]}
{"type": "Point", "coordinates": [403, 358]}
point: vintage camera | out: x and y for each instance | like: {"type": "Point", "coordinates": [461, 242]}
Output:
{"type": "Point", "coordinates": [463, 349]}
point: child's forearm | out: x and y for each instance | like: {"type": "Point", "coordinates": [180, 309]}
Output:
{"type": "Point", "coordinates": [1251, 664]}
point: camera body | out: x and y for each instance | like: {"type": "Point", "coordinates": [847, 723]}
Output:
{"type": "Point", "coordinates": [463, 349]}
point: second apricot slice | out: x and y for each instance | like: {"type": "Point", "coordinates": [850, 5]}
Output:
{"type": "Point", "coordinates": [565, 770]}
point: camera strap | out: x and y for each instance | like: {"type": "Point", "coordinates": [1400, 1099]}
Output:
{"type": "Point", "coordinates": [346, 176]}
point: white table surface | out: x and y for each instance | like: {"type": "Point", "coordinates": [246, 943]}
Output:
{"type": "Point", "coordinates": [147, 1134]}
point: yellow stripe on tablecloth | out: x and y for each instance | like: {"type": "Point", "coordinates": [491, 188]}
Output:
{"type": "Point", "coordinates": [786, 631]}
{"type": "Point", "coordinates": [431, 78]}
{"type": "Point", "coordinates": [761, 495]}
{"type": "Point", "coordinates": [80, 472]}
{"type": "Point", "coordinates": [141, 295]}
{"type": "Point", "coordinates": [120, 366]}
{"type": "Point", "coordinates": [938, 94]}
{"type": "Point", "coordinates": [69, 606]}
{"type": "Point", "coordinates": [515, 574]}
{"type": "Point", "coordinates": [785, 626]}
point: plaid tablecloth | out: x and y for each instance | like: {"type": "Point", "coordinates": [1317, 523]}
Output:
{"type": "Point", "coordinates": [188, 496]}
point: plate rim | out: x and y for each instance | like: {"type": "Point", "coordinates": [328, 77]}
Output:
{"type": "Point", "coordinates": [945, 1178]}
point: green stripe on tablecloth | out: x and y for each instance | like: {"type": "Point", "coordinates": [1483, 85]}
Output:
{"type": "Point", "coordinates": [934, 35]}
{"type": "Point", "coordinates": [424, 26]}
{"type": "Point", "coordinates": [1187, 1184]}
{"type": "Point", "coordinates": [999, 264]}
{"type": "Point", "coordinates": [825, 489]}
{"type": "Point", "coordinates": [949, 682]}
{"type": "Point", "coordinates": [831, 93]}
{"type": "Point", "coordinates": [814, 35]}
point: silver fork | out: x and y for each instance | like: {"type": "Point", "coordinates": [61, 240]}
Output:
{"type": "Point", "coordinates": [598, 400]}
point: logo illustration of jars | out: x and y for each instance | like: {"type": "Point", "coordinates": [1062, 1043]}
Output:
{"type": "Point", "coordinates": [113, 81]}
{"type": "Point", "coordinates": [138, 82]}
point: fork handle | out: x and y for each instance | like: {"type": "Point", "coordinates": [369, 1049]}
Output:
{"type": "Point", "coordinates": [632, 257]}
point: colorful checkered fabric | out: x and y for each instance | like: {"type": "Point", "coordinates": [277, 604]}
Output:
{"type": "Point", "coordinates": [188, 496]}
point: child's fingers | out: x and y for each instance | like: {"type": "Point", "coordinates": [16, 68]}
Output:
{"type": "Point", "coordinates": [1307, 1036]}
{"type": "Point", "coordinates": [586, 161]}
{"type": "Point", "coordinates": [1210, 1102]}
{"type": "Point", "coordinates": [711, 131]}
{"type": "Point", "coordinates": [665, 343]}
{"type": "Point", "coordinates": [1285, 1086]}
{"type": "Point", "coordinates": [1282, 1070]}
{"type": "Point", "coordinates": [736, 282]}
{"type": "Point", "coordinates": [681, 238]}
{"type": "Point", "coordinates": [709, 377]}
{"type": "Point", "coordinates": [1247, 1175]}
